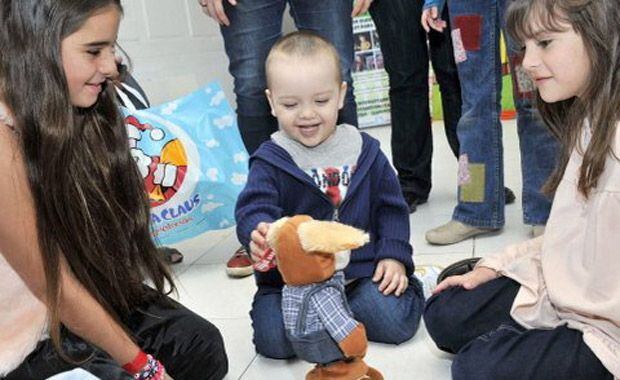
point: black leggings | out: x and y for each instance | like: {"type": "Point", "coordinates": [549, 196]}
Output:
{"type": "Point", "coordinates": [189, 346]}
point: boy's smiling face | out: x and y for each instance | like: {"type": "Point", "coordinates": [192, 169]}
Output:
{"type": "Point", "coordinates": [305, 96]}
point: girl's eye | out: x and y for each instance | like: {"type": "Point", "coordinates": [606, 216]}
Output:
{"type": "Point", "coordinates": [322, 101]}
{"type": "Point", "coordinates": [544, 43]}
{"type": "Point", "coordinates": [94, 52]}
{"type": "Point", "coordinates": [289, 106]}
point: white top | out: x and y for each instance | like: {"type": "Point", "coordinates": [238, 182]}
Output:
{"type": "Point", "coordinates": [570, 275]}
{"type": "Point", "coordinates": [23, 317]}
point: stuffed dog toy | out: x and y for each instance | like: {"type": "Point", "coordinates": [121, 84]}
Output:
{"type": "Point", "coordinates": [311, 255]}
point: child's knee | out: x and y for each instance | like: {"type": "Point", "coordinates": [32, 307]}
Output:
{"type": "Point", "coordinates": [273, 345]}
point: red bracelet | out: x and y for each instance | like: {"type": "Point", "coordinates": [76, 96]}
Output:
{"type": "Point", "coordinates": [136, 364]}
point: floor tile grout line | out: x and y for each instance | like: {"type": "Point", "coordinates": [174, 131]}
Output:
{"type": "Point", "coordinates": [248, 367]}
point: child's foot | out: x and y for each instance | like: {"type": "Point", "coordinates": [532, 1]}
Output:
{"type": "Point", "coordinates": [428, 274]}
{"type": "Point", "coordinates": [240, 264]}
{"type": "Point", "coordinates": [454, 232]}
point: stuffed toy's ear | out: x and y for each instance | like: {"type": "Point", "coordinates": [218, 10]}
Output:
{"type": "Point", "coordinates": [330, 237]}
{"type": "Point", "coordinates": [274, 229]}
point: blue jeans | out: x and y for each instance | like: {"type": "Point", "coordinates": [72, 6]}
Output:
{"type": "Point", "coordinates": [255, 25]}
{"type": "Point", "coordinates": [388, 319]}
{"type": "Point", "coordinates": [406, 56]}
{"type": "Point", "coordinates": [477, 326]}
{"type": "Point", "coordinates": [481, 166]}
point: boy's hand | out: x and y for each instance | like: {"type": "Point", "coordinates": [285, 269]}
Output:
{"type": "Point", "coordinates": [258, 243]}
{"type": "Point", "coordinates": [393, 275]}
{"type": "Point", "coordinates": [215, 10]}
{"type": "Point", "coordinates": [360, 7]}
{"type": "Point", "coordinates": [432, 19]}
{"type": "Point", "coordinates": [468, 280]}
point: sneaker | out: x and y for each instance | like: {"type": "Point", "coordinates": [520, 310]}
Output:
{"type": "Point", "coordinates": [240, 264]}
{"type": "Point", "coordinates": [509, 196]}
{"type": "Point", "coordinates": [458, 268]}
{"type": "Point", "coordinates": [538, 230]}
{"type": "Point", "coordinates": [413, 201]}
{"type": "Point", "coordinates": [454, 232]}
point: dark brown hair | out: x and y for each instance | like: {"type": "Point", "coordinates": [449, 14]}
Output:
{"type": "Point", "coordinates": [598, 24]}
{"type": "Point", "coordinates": [304, 43]}
{"type": "Point", "coordinates": [91, 207]}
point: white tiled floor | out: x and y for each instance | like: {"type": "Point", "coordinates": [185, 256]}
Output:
{"type": "Point", "coordinates": [205, 288]}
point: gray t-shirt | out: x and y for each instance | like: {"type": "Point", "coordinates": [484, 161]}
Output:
{"type": "Point", "coordinates": [330, 164]}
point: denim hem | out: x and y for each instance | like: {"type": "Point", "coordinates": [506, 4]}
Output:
{"type": "Point", "coordinates": [477, 222]}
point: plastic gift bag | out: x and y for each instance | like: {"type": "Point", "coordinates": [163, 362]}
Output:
{"type": "Point", "coordinates": [193, 162]}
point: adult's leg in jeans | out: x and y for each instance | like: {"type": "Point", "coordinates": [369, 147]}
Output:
{"type": "Point", "coordinates": [539, 149]}
{"type": "Point", "coordinates": [512, 352]}
{"type": "Point", "coordinates": [189, 346]}
{"type": "Point", "coordinates": [332, 20]}
{"type": "Point", "coordinates": [444, 66]}
{"type": "Point", "coordinates": [269, 335]}
{"type": "Point", "coordinates": [255, 25]}
{"type": "Point", "coordinates": [456, 316]}
{"type": "Point", "coordinates": [388, 319]}
{"type": "Point", "coordinates": [405, 55]}
{"type": "Point", "coordinates": [481, 173]}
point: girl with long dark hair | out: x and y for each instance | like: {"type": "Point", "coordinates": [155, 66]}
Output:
{"type": "Point", "coordinates": [75, 244]}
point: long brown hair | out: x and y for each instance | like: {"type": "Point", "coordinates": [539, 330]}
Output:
{"type": "Point", "coordinates": [597, 22]}
{"type": "Point", "coordinates": [90, 204]}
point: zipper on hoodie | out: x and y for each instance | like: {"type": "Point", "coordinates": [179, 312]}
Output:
{"type": "Point", "coordinates": [335, 215]}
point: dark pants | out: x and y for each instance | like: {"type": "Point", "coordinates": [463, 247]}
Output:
{"type": "Point", "coordinates": [189, 346]}
{"type": "Point", "coordinates": [406, 58]}
{"type": "Point", "coordinates": [489, 344]}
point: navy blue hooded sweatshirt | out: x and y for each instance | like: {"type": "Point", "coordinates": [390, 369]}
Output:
{"type": "Point", "coordinates": [277, 187]}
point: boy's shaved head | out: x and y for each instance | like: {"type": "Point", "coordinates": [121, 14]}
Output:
{"type": "Point", "coordinates": [304, 44]}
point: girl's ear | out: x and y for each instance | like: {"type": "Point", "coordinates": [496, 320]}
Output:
{"type": "Point", "coordinates": [271, 102]}
{"type": "Point", "coordinates": [342, 94]}
{"type": "Point", "coordinates": [330, 237]}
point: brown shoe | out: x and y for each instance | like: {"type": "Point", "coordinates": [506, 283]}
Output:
{"type": "Point", "coordinates": [240, 264]}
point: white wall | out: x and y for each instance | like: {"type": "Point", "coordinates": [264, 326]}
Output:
{"type": "Point", "coordinates": [175, 48]}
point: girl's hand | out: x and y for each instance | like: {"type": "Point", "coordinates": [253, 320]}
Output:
{"type": "Point", "coordinates": [215, 10]}
{"type": "Point", "coordinates": [431, 19]}
{"type": "Point", "coordinates": [360, 7]}
{"type": "Point", "coordinates": [393, 277]}
{"type": "Point", "coordinates": [258, 243]}
{"type": "Point", "coordinates": [168, 377]}
{"type": "Point", "coordinates": [468, 280]}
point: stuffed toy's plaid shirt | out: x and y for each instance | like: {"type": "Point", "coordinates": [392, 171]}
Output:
{"type": "Point", "coordinates": [326, 311]}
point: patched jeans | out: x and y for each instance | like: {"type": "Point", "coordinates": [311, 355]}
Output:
{"type": "Point", "coordinates": [476, 26]}
{"type": "Point", "coordinates": [255, 25]}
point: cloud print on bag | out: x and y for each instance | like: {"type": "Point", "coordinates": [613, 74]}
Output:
{"type": "Point", "coordinates": [213, 143]}
{"type": "Point", "coordinates": [210, 206]}
{"type": "Point", "coordinates": [240, 157]}
{"type": "Point", "coordinates": [212, 174]}
{"type": "Point", "coordinates": [239, 179]}
{"type": "Point", "coordinates": [218, 98]}
{"type": "Point", "coordinates": [170, 108]}
{"type": "Point", "coordinates": [224, 223]}
{"type": "Point", "coordinates": [225, 121]}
